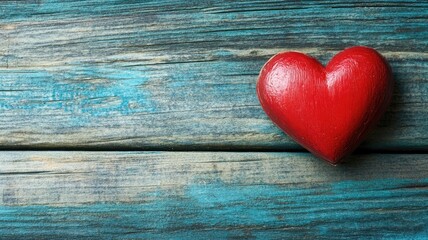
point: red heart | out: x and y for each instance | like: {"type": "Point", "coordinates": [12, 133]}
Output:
{"type": "Point", "coordinates": [328, 110]}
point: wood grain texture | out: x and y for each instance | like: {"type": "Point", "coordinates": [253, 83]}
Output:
{"type": "Point", "coordinates": [181, 74]}
{"type": "Point", "coordinates": [194, 195]}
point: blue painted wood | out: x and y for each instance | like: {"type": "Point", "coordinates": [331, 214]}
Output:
{"type": "Point", "coordinates": [119, 75]}
{"type": "Point", "coordinates": [193, 195]}
{"type": "Point", "coordinates": [181, 74]}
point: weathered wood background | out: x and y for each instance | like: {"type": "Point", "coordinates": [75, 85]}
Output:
{"type": "Point", "coordinates": [175, 80]}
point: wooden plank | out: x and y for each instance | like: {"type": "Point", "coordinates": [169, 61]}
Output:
{"type": "Point", "coordinates": [181, 74]}
{"type": "Point", "coordinates": [197, 195]}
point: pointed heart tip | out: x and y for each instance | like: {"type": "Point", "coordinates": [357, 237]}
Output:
{"type": "Point", "coordinates": [333, 162]}
{"type": "Point", "coordinates": [331, 159]}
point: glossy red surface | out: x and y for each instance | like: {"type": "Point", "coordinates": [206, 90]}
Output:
{"type": "Point", "coordinates": [328, 110]}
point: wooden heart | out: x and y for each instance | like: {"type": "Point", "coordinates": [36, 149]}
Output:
{"type": "Point", "coordinates": [328, 110]}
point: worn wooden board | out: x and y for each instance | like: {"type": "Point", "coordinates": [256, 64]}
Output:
{"type": "Point", "coordinates": [122, 75]}
{"type": "Point", "coordinates": [194, 195]}
{"type": "Point", "coordinates": [181, 74]}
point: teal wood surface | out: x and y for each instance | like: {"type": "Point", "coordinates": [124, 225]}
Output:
{"type": "Point", "coordinates": [181, 74]}
{"type": "Point", "coordinates": [213, 195]}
